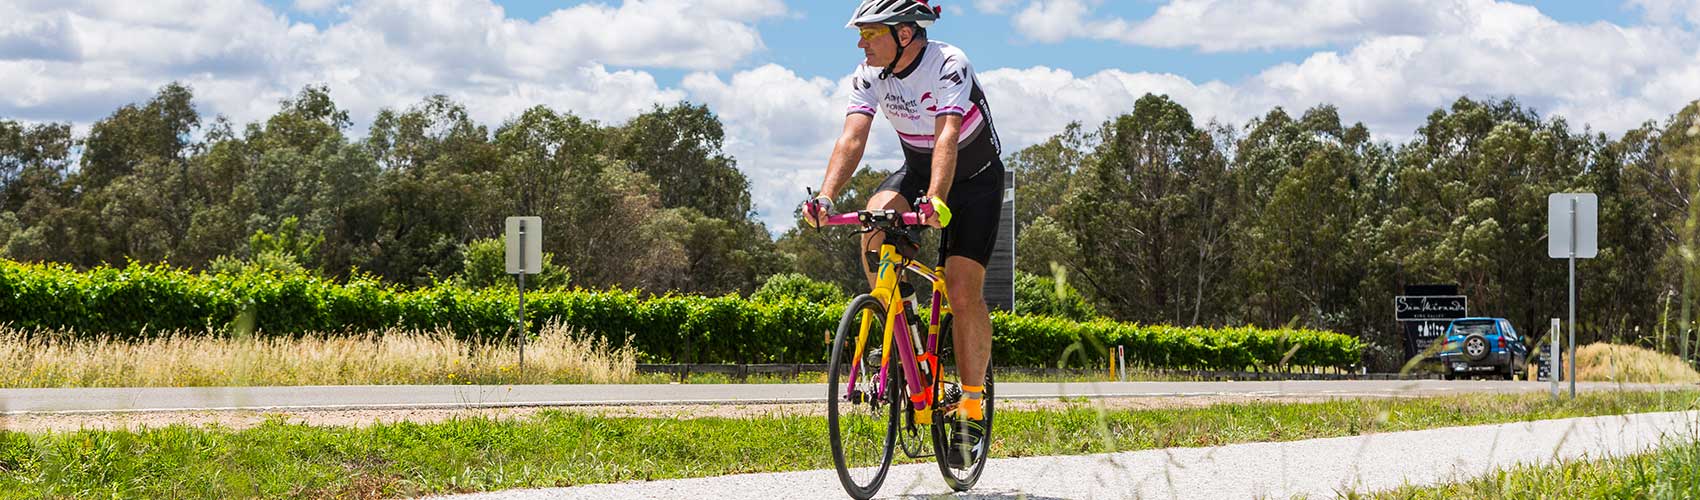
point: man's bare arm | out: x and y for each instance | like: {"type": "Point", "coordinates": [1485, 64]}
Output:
{"type": "Point", "coordinates": [947, 129]}
{"type": "Point", "coordinates": [847, 153]}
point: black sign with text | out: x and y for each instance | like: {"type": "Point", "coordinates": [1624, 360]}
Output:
{"type": "Point", "coordinates": [1426, 307]}
{"type": "Point", "coordinates": [1424, 311]}
{"type": "Point", "coordinates": [1420, 334]}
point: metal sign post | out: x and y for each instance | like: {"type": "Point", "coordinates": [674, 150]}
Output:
{"type": "Point", "coordinates": [1573, 233]}
{"type": "Point", "coordinates": [524, 256]}
{"type": "Point", "coordinates": [1552, 357]}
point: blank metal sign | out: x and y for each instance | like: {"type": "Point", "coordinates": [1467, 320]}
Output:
{"type": "Point", "coordinates": [533, 244]}
{"type": "Point", "coordinates": [1587, 225]}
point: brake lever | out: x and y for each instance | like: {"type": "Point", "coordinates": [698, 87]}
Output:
{"type": "Point", "coordinates": [811, 193]}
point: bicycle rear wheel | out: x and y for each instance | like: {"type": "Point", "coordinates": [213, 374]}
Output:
{"type": "Point", "coordinates": [862, 425]}
{"type": "Point", "coordinates": [946, 424]}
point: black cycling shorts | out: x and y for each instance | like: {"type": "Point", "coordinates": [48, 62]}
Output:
{"type": "Point", "coordinates": [975, 203]}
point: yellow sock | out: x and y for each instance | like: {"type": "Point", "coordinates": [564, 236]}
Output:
{"type": "Point", "coordinates": [973, 401]}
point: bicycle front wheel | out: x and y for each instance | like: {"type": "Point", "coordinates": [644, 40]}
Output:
{"type": "Point", "coordinates": [861, 423]}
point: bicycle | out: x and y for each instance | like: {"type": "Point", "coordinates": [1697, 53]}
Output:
{"type": "Point", "coordinates": [919, 392]}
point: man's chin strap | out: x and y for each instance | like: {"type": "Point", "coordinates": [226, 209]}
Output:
{"type": "Point", "coordinates": [889, 68]}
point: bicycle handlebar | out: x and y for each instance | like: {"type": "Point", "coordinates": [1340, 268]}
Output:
{"type": "Point", "coordinates": [870, 218]}
{"type": "Point", "coordinates": [873, 217]}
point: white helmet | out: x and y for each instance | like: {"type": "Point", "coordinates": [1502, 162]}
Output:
{"type": "Point", "coordinates": [894, 12]}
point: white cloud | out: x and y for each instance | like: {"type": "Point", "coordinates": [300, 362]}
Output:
{"type": "Point", "coordinates": [1402, 58]}
{"type": "Point", "coordinates": [1232, 25]}
{"type": "Point", "coordinates": [1031, 105]}
{"type": "Point", "coordinates": [993, 6]}
{"type": "Point", "coordinates": [45, 36]}
{"type": "Point", "coordinates": [1669, 11]}
{"type": "Point", "coordinates": [83, 59]}
{"type": "Point", "coordinates": [1608, 76]}
{"type": "Point", "coordinates": [316, 5]}
{"type": "Point", "coordinates": [1058, 20]}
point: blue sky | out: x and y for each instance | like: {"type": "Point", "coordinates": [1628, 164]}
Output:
{"type": "Point", "coordinates": [772, 69]}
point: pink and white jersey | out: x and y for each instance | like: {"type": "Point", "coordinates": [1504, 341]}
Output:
{"type": "Point", "coordinates": [941, 82]}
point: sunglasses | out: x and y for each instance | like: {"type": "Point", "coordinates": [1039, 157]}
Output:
{"type": "Point", "coordinates": [869, 33]}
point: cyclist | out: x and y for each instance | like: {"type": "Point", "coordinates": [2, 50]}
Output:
{"type": "Point", "coordinates": [928, 91]}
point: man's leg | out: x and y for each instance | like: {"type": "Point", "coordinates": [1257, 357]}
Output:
{"type": "Point", "coordinates": [972, 326]}
{"type": "Point", "coordinates": [883, 200]}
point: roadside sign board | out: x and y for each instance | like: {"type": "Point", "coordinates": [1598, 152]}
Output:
{"type": "Point", "coordinates": [1422, 333]}
{"type": "Point", "coordinates": [1573, 233]}
{"type": "Point", "coordinates": [1543, 369]}
{"type": "Point", "coordinates": [1424, 317]}
{"type": "Point", "coordinates": [1586, 225]}
{"type": "Point", "coordinates": [532, 244]}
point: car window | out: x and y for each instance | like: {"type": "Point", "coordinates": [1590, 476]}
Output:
{"type": "Point", "coordinates": [1510, 333]}
{"type": "Point", "coordinates": [1483, 328]}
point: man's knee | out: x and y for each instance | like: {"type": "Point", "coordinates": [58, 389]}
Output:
{"type": "Point", "coordinates": [887, 200]}
{"type": "Point", "coordinates": [965, 281]}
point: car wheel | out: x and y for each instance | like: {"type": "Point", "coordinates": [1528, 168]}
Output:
{"type": "Point", "coordinates": [1476, 347]}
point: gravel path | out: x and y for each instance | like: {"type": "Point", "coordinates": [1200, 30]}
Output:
{"type": "Point", "coordinates": [244, 419]}
{"type": "Point", "coordinates": [1319, 468]}
{"type": "Point", "coordinates": [152, 399]}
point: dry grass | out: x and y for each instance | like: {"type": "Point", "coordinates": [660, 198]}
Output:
{"type": "Point", "coordinates": [1629, 364]}
{"type": "Point", "coordinates": [58, 359]}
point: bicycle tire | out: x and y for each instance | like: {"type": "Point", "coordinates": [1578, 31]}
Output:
{"type": "Point", "coordinates": [840, 410]}
{"type": "Point", "coordinates": [944, 425]}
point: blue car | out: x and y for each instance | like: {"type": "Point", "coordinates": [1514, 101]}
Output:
{"type": "Point", "coordinates": [1483, 346]}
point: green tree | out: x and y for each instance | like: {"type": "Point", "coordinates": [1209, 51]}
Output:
{"type": "Point", "coordinates": [679, 148]}
{"type": "Point", "coordinates": [1306, 189]}
{"type": "Point", "coordinates": [1042, 173]}
{"type": "Point", "coordinates": [796, 286]}
{"type": "Point", "coordinates": [1138, 211]}
{"type": "Point", "coordinates": [159, 130]}
{"type": "Point", "coordinates": [1045, 296]}
{"type": "Point", "coordinates": [1043, 244]}
{"type": "Point", "coordinates": [437, 165]}
{"type": "Point", "coordinates": [726, 256]}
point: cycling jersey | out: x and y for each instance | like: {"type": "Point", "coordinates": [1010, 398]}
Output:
{"type": "Point", "coordinates": [940, 82]}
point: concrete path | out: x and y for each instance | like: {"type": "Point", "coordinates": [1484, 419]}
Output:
{"type": "Point", "coordinates": [1318, 468]}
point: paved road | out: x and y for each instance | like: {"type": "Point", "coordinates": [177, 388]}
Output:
{"type": "Point", "coordinates": [1318, 468]}
{"type": "Point", "coordinates": [20, 401]}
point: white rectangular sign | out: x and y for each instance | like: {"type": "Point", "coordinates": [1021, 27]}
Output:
{"type": "Point", "coordinates": [533, 227]}
{"type": "Point", "coordinates": [1586, 224]}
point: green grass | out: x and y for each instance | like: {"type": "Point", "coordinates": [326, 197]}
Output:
{"type": "Point", "coordinates": [278, 459]}
{"type": "Point", "coordinates": [1670, 472]}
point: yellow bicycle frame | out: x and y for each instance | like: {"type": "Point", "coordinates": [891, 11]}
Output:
{"type": "Point", "coordinates": [886, 290]}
